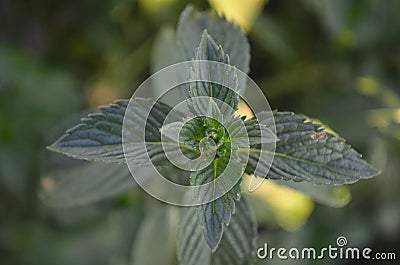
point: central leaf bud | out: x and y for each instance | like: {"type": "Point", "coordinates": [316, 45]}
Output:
{"type": "Point", "coordinates": [200, 131]}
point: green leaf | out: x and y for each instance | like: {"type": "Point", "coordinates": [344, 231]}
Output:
{"type": "Point", "coordinates": [258, 133]}
{"type": "Point", "coordinates": [173, 130]}
{"type": "Point", "coordinates": [225, 81]}
{"type": "Point", "coordinates": [191, 133]}
{"type": "Point", "coordinates": [306, 152]}
{"type": "Point", "coordinates": [99, 136]}
{"type": "Point", "coordinates": [151, 243]}
{"type": "Point", "coordinates": [86, 184]}
{"type": "Point", "coordinates": [237, 245]}
{"type": "Point", "coordinates": [333, 196]}
{"type": "Point", "coordinates": [165, 51]}
{"type": "Point", "coordinates": [187, 134]}
{"type": "Point", "coordinates": [214, 214]}
{"type": "Point", "coordinates": [192, 249]}
{"type": "Point", "coordinates": [191, 25]}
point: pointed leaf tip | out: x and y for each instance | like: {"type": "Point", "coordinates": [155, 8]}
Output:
{"type": "Point", "coordinates": [306, 152]}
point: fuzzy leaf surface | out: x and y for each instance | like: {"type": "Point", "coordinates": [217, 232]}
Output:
{"type": "Point", "coordinates": [99, 136]}
{"type": "Point", "coordinates": [214, 215]}
{"type": "Point", "coordinates": [306, 152]}
{"type": "Point", "coordinates": [224, 87]}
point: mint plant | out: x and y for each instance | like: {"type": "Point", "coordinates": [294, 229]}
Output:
{"type": "Point", "coordinates": [223, 229]}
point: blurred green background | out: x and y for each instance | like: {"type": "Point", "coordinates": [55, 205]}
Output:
{"type": "Point", "coordinates": [336, 60]}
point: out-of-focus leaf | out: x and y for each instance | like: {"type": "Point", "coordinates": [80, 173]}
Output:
{"type": "Point", "coordinates": [165, 51]}
{"type": "Point", "coordinates": [359, 23]}
{"type": "Point", "coordinates": [305, 151]}
{"type": "Point", "coordinates": [192, 248]}
{"type": "Point", "coordinates": [332, 13]}
{"type": "Point", "coordinates": [237, 244]}
{"type": "Point", "coordinates": [36, 96]}
{"type": "Point", "coordinates": [102, 242]}
{"type": "Point", "coordinates": [86, 184]}
{"type": "Point", "coordinates": [279, 205]}
{"type": "Point", "coordinates": [338, 196]}
{"type": "Point", "coordinates": [191, 25]}
{"type": "Point", "coordinates": [271, 38]}
{"type": "Point", "coordinates": [151, 245]}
